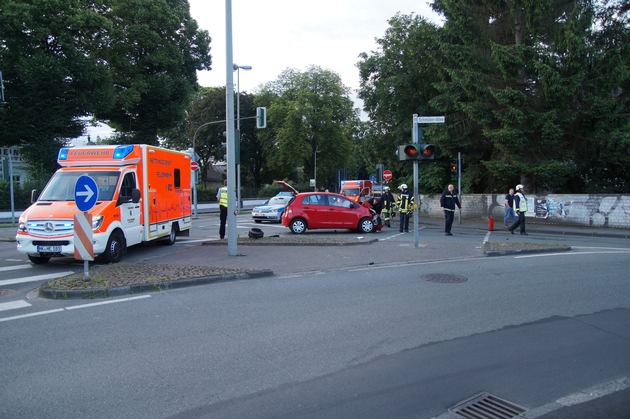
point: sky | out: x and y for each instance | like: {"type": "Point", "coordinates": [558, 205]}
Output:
{"type": "Point", "coordinates": [274, 35]}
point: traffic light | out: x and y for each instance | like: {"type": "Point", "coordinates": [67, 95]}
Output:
{"type": "Point", "coordinates": [416, 152]}
{"type": "Point", "coordinates": [454, 167]}
{"type": "Point", "coordinates": [261, 117]}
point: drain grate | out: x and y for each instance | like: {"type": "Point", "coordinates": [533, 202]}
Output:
{"type": "Point", "coordinates": [486, 406]}
{"type": "Point", "coordinates": [444, 278]}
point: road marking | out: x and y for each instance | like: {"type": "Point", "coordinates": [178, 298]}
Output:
{"type": "Point", "coordinates": [35, 278]}
{"type": "Point", "coordinates": [102, 303]}
{"type": "Point", "coordinates": [573, 254]}
{"type": "Point", "coordinates": [12, 305]}
{"type": "Point", "coordinates": [58, 310]}
{"type": "Point", "coordinates": [16, 267]}
{"type": "Point", "coordinates": [23, 316]}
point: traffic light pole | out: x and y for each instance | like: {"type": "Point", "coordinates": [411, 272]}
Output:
{"type": "Point", "coordinates": [459, 181]}
{"type": "Point", "coordinates": [416, 135]}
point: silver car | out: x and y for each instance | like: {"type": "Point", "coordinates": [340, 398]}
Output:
{"type": "Point", "coordinates": [272, 209]}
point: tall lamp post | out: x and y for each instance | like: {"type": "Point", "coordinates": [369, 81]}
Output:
{"type": "Point", "coordinates": [315, 153]}
{"type": "Point", "coordinates": [238, 68]}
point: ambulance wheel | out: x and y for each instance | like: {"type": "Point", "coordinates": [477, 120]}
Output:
{"type": "Point", "coordinates": [366, 225]}
{"type": "Point", "coordinates": [171, 238]}
{"type": "Point", "coordinates": [114, 251]}
{"type": "Point", "coordinates": [297, 226]}
{"type": "Point", "coordinates": [38, 260]}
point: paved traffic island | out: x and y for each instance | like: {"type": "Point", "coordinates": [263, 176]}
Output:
{"type": "Point", "coordinates": [133, 278]}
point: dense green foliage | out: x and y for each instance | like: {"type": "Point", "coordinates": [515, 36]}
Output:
{"type": "Point", "coordinates": [534, 92]}
{"type": "Point", "coordinates": [132, 63]}
{"type": "Point", "coordinates": [311, 121]}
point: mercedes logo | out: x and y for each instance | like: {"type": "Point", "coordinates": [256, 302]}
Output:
{"type": "Point", "coordinates": [49, 227]}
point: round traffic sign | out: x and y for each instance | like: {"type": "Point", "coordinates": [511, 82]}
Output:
{"type": "Point", "coordinates": [85, 193]}
{"type": "Point", "coordinates": [387, 175]}
{"type": "Point", "coordinates": [194, 166]}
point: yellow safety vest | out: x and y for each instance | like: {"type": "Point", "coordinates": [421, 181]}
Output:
{"type": "Point", "coordinates": [522, 203]}
{"type": "Point", "coordinates": [223, 196]}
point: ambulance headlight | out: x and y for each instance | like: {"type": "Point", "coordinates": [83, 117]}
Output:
{"type": "Point", "coordinates": [96, 222]}
{"type": "Point", "coordinates": [22, 227]}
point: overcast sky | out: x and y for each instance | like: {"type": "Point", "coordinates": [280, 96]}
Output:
{"type": "Point", "coordinates": [273, 35]}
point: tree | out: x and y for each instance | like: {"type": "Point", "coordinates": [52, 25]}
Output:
{"type": "Point", "coordinates": [310, 114]}
{"type": "Point", "coordinates": [522, 84]}
{"type": "Point", "coordinates": [398, 81]}
{"type": "Point", "coordinates": [48, 57]}
{"type": "Point", "coordinates": [533, 92]}
{"type": "Point", "coordinates": [154, 51]}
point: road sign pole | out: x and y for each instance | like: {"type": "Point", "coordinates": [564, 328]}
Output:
{"type": "Point", "coordinates": [416, 134]}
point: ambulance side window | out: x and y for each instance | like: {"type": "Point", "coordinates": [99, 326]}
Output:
{"type": "Point", "coordinates": [178, 179]}
{"type": "Point", "coordinates": [127, 185]}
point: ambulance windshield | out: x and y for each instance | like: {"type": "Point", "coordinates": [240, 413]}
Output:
{"type": "Point", "coordinates": [61, 186]}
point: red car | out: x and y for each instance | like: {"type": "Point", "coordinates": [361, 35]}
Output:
{"type": "Point", "coordinates": [311, 210]}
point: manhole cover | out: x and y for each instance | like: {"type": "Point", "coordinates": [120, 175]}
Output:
{"type": "Point", "coordinates": [5, 292]}
{"type": "Point", "coordinates": [487, 406]}
{"type": "Point", "coordinates": [444, 278]}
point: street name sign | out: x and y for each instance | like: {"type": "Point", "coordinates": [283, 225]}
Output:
{"type": "Point", "coordinates": [431, 119]}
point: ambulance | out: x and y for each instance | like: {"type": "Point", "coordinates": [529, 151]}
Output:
{"type": "Point", "coordinates": [143, 195]}
{"type": "Point", "coordinates": [357, 190]}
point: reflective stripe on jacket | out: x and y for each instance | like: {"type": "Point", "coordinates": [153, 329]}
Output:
{"type": "Point", "coordinates": [405, 202]}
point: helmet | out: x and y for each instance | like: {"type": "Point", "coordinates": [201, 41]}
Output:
{"type": "Point", "coordinates": [519, 186]}
{"type": "Point", "coordinates": [403, 187]}
{"type": "Point", "coordinates": [386, 188]}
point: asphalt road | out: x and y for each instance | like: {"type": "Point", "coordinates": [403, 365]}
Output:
{"type": "Point", "coordinates": [381, 330]}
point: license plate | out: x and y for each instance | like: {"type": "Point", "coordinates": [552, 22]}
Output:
{"type": "Point", "coordinates": [49, 249]}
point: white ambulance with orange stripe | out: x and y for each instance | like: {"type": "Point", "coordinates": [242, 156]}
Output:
{"type": "Point", "coordinates": [143, 195]}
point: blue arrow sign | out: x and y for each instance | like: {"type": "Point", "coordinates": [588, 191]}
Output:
{"type": "Point", "coordinates": [85, 193]}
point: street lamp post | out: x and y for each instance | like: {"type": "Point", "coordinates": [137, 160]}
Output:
{"type": "Point", "coordinates": [238, 68]}
{"type": "Point", "coordinates": [315, 168]}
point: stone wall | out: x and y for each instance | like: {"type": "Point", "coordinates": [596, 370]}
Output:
{"type": "Point", "coordinates": [581, 210]}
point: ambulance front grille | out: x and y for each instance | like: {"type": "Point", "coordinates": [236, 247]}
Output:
{"type": "Point", "coordinates": [50, 228]}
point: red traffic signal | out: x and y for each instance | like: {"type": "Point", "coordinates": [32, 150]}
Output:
{"type": "Point", "coordinates": [416, 152]}
{"type": "Point", "coordinates": [454, 167]}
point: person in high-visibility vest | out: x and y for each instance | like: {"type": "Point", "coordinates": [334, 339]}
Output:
{"type": "Point", "coordinates": [222, 197]}
{"type": "Point", "coordinates": [405, 206]}
{"type": "Point", "coordinates": [388, 205]}
{"type": "Point", "coordinates": [520, 206]}
{"type": "Point", "coordinates": [448, 200]}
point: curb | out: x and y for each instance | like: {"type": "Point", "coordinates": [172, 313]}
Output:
{"type": "Point", "coordinates": [263, 242]}
{"type": "Point", "coordinates": [54, 294]}
{"type": "Point", "coordinates": [525, 251]}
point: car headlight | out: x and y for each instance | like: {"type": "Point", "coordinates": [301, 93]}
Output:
{"type": "Point", "coordinates": [96, 222]}
{"type": "Point", "coordinates": [22, 226]}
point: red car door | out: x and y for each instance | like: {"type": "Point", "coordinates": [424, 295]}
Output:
{"type": "Point", "coordinates": [341, 212]}
{"type": "Point", "coordinates": [314, 210]}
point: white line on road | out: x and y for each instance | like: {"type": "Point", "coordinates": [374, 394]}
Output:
{"type": "Point", "coordinates": [102, 303]}
{"type": "Point", "coordinates": [39, 313]}
{"type": "Point", "coordinates": [58, 310]}
{"type": "Point", "coordinates": [35, 278]}
{"type": "Point", "coordinates": [12, 305]}
{"type": "Point", "coordinates": [16, 267]}
{"type": "Point", "coordinates": [572, 254]}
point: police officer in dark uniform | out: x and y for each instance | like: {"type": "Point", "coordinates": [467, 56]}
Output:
{"type": "Point", "coordinates": [448, 200]}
